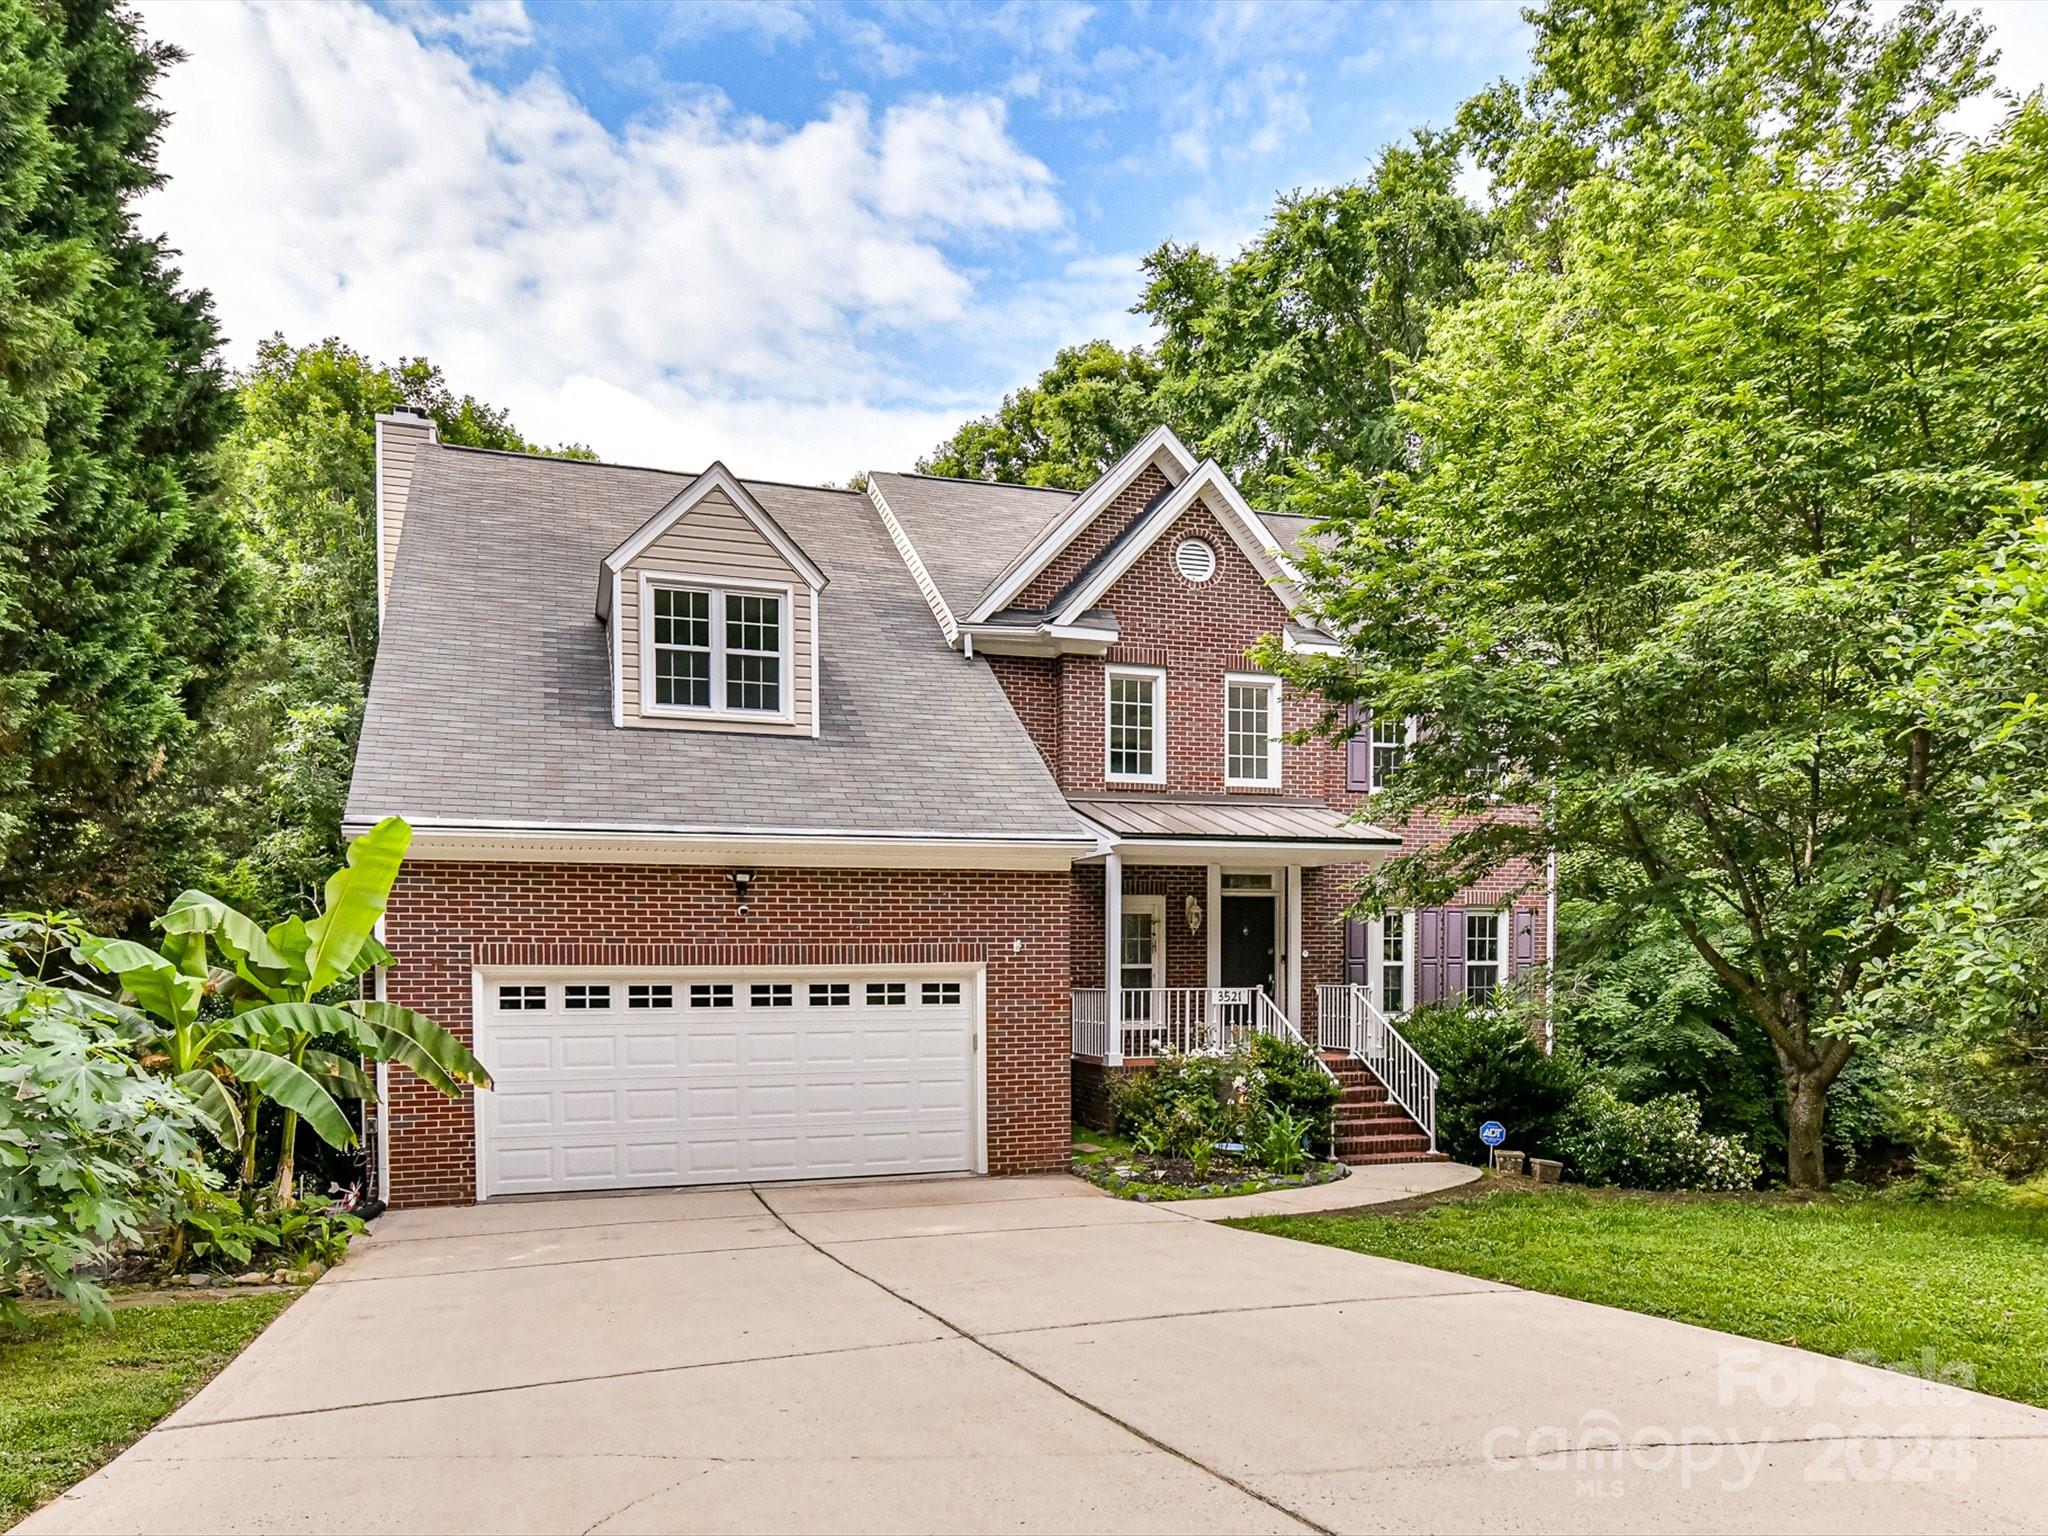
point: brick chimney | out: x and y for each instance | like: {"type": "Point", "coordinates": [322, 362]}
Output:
{"type": "Point", "coordinates": [401, 433]}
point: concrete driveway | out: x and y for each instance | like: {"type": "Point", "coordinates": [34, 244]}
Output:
{"type": "Point", "coordinates": [1014, 1355]}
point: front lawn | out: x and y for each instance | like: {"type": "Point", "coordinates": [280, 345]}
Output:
{"type": "Point", "coordinates": [73, 1396]}
{"type": "Point", "coordinates": [1927, 1287]}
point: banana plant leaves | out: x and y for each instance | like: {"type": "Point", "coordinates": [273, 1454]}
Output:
{"type": "Point", "coordinates": [355, 899]}
{"type": "Point", "coordinates": [292, 1086]}
{"type": "Point", "coordinates": [416, 1041]}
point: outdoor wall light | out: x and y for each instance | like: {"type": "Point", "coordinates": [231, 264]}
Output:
{"type": "Point", "coordinates": [742, 884]}
{"type": "Point", "coordinates": [1194, 915]}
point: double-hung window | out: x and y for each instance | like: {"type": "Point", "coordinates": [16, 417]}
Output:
{"type": "Point", "coordinates": [1482, 955]}
{"type": "Point", "coordinates": [1394, 963]}
{"type": "Point", "coordinates": [715, 651]}
{"type": "Point", "coordinates": [1135, 715]}
{"type": "Point", "coordinates": [1391, 737]}
{"type": "Point", "coordinates": [1251, 730]}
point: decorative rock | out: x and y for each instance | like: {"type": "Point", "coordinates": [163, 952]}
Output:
{"type": "Point", "coordinates": [251, 1278]}
{"type": "Point", "coordinates": [1505, 1161]}
{"type": "Point", "coordinates": [1548, 1170]}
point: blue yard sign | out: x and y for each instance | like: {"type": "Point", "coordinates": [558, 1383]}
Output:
{"type": "Point", "coordinates": [1493, 1133]}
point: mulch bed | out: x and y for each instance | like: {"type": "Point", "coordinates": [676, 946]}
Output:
{"type": "Point", "coordinates": [1179, 1180]}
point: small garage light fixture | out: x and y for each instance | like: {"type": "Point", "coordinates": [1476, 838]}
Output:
{"type": "Point", "coordinates": [742, 886]}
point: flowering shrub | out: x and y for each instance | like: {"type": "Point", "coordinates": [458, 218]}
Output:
{"type": "Point", "coordinates": [1188, 1103]}
{"type": "Point", "coordinates": [1658, 1145]}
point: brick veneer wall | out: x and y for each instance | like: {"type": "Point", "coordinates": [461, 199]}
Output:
{"type": "Point", "coordinates": [446, 919]}
{"type": "Point", "coordinates": [1112, 520]}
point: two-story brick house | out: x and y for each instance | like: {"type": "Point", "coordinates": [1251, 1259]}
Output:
{"type": "Point", "coordinates": [767, 831]}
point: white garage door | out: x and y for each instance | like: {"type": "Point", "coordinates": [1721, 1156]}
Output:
{"type": "Point", "coordinates": [614, 1082]}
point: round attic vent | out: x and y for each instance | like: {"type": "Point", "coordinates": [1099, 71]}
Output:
{"type": "Point", "coordinates": [1195, 560]}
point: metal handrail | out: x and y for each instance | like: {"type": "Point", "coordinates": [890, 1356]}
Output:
{"type": "Point", "coordinates": [1348, 1020]}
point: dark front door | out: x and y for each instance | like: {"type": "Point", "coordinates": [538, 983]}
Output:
{"type": "Point", "coordinates": [1248, 941]}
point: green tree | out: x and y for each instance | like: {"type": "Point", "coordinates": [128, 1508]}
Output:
{"type": "Point", "coordinates": [1684, 495]}
{"type": "Point", "coordinates": [1283, 359]}
{"type": "Point", "coordinates": [299, 479]}
{"type": "Point", "coordinates": [1084, 413]}
{"type": "Point", "coordinates": [122, 598]}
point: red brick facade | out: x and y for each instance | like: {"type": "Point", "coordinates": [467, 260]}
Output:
{"type": "Point", "coordinates": [448, 919]}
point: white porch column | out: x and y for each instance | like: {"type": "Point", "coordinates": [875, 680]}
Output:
{"type": "Point", "coordinates": [1212, 902]}
{"type": "Point", "coordinates": [1113, 954]}
{"type": "Point", "coordinates": [1294, 955]}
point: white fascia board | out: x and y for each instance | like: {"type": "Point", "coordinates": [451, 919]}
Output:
{"type": "Point", "coordinates": [1246, 531]}
{"type": "Point", "coordinates": [1248, 852]}
{"type": "Point", "coordinates": [1320, 645]}
{"type": "Point", "coordinates": [934, 599]}
{"type": "Point", "coordinates": [1160, 440]}
{"type": "Point", "coordinates": [716, 478]}
{"type": "Point", "coordinates": [1040, 639]}
{"type": "Point", "coordinates": [770, 849]}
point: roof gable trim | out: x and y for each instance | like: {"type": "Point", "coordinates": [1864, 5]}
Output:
{"type": "Point", "coordinates": [1157, 445]}
{"type": "Point", "coordinates": [716, 478]}
{"type": "Point", "coordinates": [1211, 486]}
{"type": "Point", "coordinates": [934, 599]}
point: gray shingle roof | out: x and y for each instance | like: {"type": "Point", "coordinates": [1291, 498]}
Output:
{"type": "Point", "coordinates": [967, 531]}
{"type": "Point", "coordinates": [492, 695]}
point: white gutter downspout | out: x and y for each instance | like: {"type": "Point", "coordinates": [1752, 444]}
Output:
{"type": "Point", "coordinates": [1550, 956]}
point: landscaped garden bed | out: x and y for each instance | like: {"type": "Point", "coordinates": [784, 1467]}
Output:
{"type": "Point", "coordinates": [1114, 1164]}
{"type": "Point", "coordinates": [1216, 1123]}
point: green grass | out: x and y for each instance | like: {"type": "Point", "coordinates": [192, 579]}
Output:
{"type": "Point", "coordinates": [73, 1395]}
{"type": "Point", "coordinates": [1923, 1286]}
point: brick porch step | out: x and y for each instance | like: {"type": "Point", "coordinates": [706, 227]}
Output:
{"type": "Point", "coordinates": [1370, 1127]}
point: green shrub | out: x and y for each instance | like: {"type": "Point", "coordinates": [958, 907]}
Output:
{"type": "Point", "coordinates": [1490, 1067]}
{"type": "Point", "coordinates": [220, 1231]}
{"type": "Point", "coordinates": [1280, 1141]}
{"type": "Point", "coordinates": [1658, 1145]}
{"type": "Point", "coordinates": [93, 1148]}
{"type": "Point", "coordinates": [1286, 1078]}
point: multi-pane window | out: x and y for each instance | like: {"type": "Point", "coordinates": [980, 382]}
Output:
{"type": "Point", "coordinates": [1251, 709]}
{"type": "Point", "coordinates": [772, 994]}
{"type": "Point", "coordinates": [1482, 955]}
{"type": "Point", "coordinates": [831, 994]}
{"type": "Point", "coordinates": [1136, 718]}
{"type": "Point", "coordinates": [1394, 963]}
{"type": "Point", "coordinates": [522, 999]}
{"type": "Point", "coordinates": [658, 994]}
{"type": "Point", "coordinates": [940, 994]}
{"type": "Point", "coordinates": [1389, 746]}
{"type": "Point", "coordinates": [586, 995]}
{"type": "Point", "coordinates": [711, 994]}
{"type": "Point", "coordinates": [682, 648]}
{"type": "Point", "coordinates": [887, 994]}
{"type": "Point", "coordinates": [718, 651]}
{"type": "Point", "coordinates": [753, 652]}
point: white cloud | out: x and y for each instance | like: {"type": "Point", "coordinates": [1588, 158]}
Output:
{"type": "Point", "coordinates": [701, 284]}
{"type": "Point", "coordinates": [486, 26]}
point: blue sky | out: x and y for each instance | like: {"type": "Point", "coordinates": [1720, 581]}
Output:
{"type": "Point", "coordinates": [804, 238]}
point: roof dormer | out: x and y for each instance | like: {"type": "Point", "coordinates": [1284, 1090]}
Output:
{"type": "Point", "coordinates": [712, 613]}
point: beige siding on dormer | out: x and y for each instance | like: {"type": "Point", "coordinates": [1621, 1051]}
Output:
{"type": "Point", "coordinates": [714, 541]}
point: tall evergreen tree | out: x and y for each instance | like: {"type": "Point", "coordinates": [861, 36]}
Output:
{"type": "Point", "coordinates": [122, 597]}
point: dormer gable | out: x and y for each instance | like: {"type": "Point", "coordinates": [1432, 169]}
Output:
{"type": "Point", "coordinates": [712, 614]}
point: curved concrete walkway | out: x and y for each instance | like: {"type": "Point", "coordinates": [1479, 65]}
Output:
{"type": "Point", "coordinates": [1373, 1184]}
{"type": "Point", "coordinates": [1014, 1355]}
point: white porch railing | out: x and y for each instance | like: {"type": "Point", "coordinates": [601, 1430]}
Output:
{"type": "Point", "coordinates": [1159, 1020]}
{"type": "Point", "coordinates": [1348, 1020]}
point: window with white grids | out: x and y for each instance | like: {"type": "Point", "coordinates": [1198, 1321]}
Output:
{"type": "Point", "coordinates": [1390, 740]}
{"type": "Point", "coordinates": [586, 995]}
{"type": "Point", "coordinates": [1394, 963]}
{"type": "Point", "coordinates": [1251, 731]}
{"type": "Point", "coordinates": [1134, 715]}
{"type": "Point", "coordinates": [717, 651]}
{"type": "Point", "coordinates": [1482, 955]}
{"type": "Point", "coordinates": [831, 994]}
{"type": "Point", "coordinates": [940, 994]}
{"type": "Point", "coordinates": [522, 999]}
{"type": "Point", "coordinates": [656, 994]}
{"type": "Point", "coordinates": [887, 994]}
{"type": "Point", "coordinates": [772, 994]}
{"type": "Point", "coordinates": [711, 994]}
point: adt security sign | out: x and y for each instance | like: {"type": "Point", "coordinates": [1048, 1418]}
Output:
{"type": "Point", "coordinates": [1493, 1133]}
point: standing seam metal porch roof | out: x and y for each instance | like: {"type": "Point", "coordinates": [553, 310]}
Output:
{"type": "Point", "coordinates": [1236, 819]}
{"type": "Point", "coordinates": [491, 700]}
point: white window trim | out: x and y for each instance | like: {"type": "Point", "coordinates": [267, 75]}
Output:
{"type": "Point", "coordinates": [718, 587]}
{"type": "Point", "coordinates": [1503, 940]}
{"type": "Point", "coordinates": [1157, 677]}
{"type": "Point", "coordinates": [1271, 684]}
{"type": "Point", "coordinates": [1376, 962]}
{"type": "Point", "coordinates": [1372, 726]}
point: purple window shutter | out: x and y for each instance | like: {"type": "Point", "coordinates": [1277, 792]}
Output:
{"type": "Point", "coordinates": [1429, 956]}
{"type": "Point", "coordinates": [1358, 750]}
{"type": "Point", "coordinates": [1525, 939]}
{"type": "Point", "coordinates": [1356, 936]}
{"type": "Point", "coordinates": [1454, 953]}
